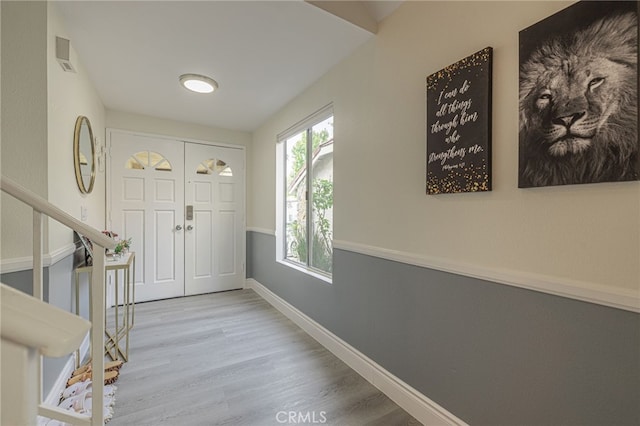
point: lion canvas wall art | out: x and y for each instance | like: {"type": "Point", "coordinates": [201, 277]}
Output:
{"type": "Point", "coordinates": [578, 96]}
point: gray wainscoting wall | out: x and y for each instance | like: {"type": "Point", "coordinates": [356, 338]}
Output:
{"type": "Point", "coordinates": [489, 353]}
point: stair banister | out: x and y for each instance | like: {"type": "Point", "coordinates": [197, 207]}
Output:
{"type": "Point", "coordinates": [40, 204]}
{"type": "Point", "coordinates": [101, 242]}
{"type": "Point", "coordinates": [30, 328]}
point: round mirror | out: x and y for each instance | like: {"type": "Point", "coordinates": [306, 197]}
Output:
{"type": "Point", "coordinates": [84, 155]}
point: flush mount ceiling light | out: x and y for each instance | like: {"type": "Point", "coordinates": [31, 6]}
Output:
{"type": "Point", "coordinates": [198, 83]}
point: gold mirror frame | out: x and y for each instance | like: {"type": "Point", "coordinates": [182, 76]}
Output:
{"type": "Point", "coordinates": [83, 160]}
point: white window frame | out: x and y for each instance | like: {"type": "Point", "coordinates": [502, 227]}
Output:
{"type": "Point", "coordinates": [281, 226]}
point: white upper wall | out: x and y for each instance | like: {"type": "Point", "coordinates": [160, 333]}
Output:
{"type": "Point", "coordinates": [24, 117]}
{"type": "Point", "coordinates": [178, 129]}
{"type": "Point", "coordinates": [69, 96]}
{"type": "Point", "coordinates": [587, 234]}
{"type": "Point", "coordinates": [40, 105]}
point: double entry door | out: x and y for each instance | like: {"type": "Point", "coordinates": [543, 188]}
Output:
{"type": "Point", "coordinates": [182, 204]}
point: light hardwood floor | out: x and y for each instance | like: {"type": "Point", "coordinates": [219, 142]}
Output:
{"type": "Point", "coordinates": [232, 359]}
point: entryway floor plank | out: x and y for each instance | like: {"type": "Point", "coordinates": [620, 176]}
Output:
{"type": "Point", "coordinates": [232, 359]}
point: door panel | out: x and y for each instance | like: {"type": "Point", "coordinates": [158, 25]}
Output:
{"type": "Point", "coordinates": [227, 247]}
{"type": "Point", "coordinates": [147, 200]}
{"type": "Point", "coordinates": [164, 256]}
{"type": "Point", "coordinates": [214, 187]}
{"type": "Point", "coordinates": [133, 225]}
{"type": "Point", "coordinates": [203, 242]}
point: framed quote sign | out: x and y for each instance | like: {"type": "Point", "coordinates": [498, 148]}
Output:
{"type": "Point", "coordinates": [459, 126]}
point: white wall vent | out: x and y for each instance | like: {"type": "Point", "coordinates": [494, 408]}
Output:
{"type": "Point", "coordinates": [62, 54]}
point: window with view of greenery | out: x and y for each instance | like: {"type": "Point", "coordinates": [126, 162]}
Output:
{"type": "Point", "coordinates": [308, 200]}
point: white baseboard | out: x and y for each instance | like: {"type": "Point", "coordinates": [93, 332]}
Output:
{"type": "Point", "coordinates": [61, 383]}
{"type": "Point", "coordinates": [53, 398]}
{"type": "Point", "coordinates": [419, 406]}
{"type": "Point", "coordinates": [85, 347]}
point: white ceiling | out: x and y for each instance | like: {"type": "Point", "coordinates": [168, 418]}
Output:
{"type": "Point", "coordinates": [262, 54]}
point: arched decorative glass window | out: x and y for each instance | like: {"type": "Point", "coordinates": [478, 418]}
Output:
{"type": "Point", "coordinates": [143, 159]}
{"type": "Point", "coordinates": [213, 165]}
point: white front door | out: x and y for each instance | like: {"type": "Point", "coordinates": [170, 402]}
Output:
{"type": "Point", "coordinates": [214, 222]}
{"type": "Point", "coordinates": [182, 203]}
{"type": "Point", "coordinates": [147, 205]}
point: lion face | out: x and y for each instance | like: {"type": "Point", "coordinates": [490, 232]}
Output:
{"type": "Point", "coordinates": [573, 100]}
{"type": "Point", "coordinates": [578, 106]}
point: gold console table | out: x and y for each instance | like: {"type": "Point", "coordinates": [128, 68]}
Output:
{"type": "Point", "coordinates": [120, 331]}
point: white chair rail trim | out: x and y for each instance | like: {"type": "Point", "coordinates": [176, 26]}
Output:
{"type": "Point", "coordinates": [628, 300]}
{"type": "Point", "coordinates": [18, 264]}
{"type": "Point", "coordinates": [261, 230]}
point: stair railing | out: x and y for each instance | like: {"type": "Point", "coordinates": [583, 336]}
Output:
{"type": "Point", "coordinates": [101, 242]}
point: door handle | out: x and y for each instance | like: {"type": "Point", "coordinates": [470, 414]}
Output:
{"type": "Point", "coordinates": [189, 227]}
{"type": "Point", "coordinates": [178, 227]}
